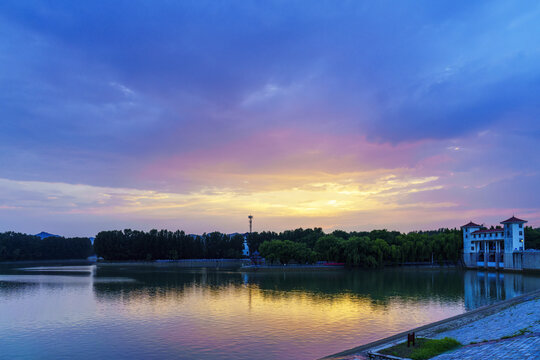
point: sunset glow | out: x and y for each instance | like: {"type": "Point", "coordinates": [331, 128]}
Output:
{"type": "Point", "coordinates": [348, 116]}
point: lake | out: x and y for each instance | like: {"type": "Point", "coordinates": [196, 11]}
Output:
{"type": "Point", "coordinates": [145, 312]}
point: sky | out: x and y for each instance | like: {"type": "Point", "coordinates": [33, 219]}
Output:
{"type": "Point", "coordinates": [352, 115]}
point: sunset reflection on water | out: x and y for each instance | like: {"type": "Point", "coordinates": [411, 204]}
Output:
{"type": "Point", "coordinates": [144, 312]}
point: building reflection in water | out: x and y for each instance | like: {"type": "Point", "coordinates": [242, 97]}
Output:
{"type": "Point", "coordinates": [156, 312]}
{"type": "Point", "coordinates": [381, 287]}
{"type": "Point", "coordinates": [485, 287]}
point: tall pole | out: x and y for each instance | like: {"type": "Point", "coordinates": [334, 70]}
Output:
{"type": "Point", "coordinates": [250, 217]}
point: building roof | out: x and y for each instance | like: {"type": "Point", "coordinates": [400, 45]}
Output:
{"type": "Point", "coordinates": [471, 224]}
{"type": "Point", "coordinates": [487, 231]}
{"type": "Point", "coordinates": [513, 219]}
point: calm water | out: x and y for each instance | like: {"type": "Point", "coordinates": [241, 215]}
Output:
{"type": "Point", "coordinates": [161, 313]}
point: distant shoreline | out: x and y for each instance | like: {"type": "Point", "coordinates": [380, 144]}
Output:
{"type": "Point", "coordinates": [57, 261]}
{"type": "Point", "coordinates": [167, 261]}
{"type": "Point", "coordinates": [290, 268]}
{"type": "Point", "coordinates": [184, 263]}
{"type": "Point", "coordinates": [242, 265]}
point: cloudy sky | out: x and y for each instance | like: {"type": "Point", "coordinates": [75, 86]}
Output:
{"type": "Point", "coordinates": [341, 114]}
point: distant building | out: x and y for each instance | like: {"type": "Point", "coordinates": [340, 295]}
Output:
{"type": "Point", "coordinates": [496, 248]}
{"type": "Point", "coordinates": [245, 251]}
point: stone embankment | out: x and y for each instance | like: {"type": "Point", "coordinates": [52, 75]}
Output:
{"type": "Point", "coordinates": [290, 268]}
{"type": "Point", "coordinates": [507, 330]}
{"type": "Point", "coordinates": [184, 263]}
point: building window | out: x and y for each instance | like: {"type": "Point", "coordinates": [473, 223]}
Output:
{"type": "Point", "coordinates": [466, 236]}
{"type": "Point", "coordinates": [520, 240]}
{"type": "Point", "coordinates": [472, 248]}
{"type": "Point", "coordinates": [521, 226]}
{"type": "Point", "coordinates": [521, 233]}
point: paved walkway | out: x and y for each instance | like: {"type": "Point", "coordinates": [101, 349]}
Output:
{"type": "Point", "coordinates": [516, 319]}
{"type": "Point", "coordinates": [524, 347]}
{"type": "Point", "coordinates": [506, 331]}
{"type": "Point", "coordinates": [513, 333]}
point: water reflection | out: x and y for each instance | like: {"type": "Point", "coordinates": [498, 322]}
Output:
{"type": "Point", "coordinates": [377, 286]}
{"type": "Point", "coordinates": [484, 288]}
{"type": "Point", "coordinates": [129, 312]}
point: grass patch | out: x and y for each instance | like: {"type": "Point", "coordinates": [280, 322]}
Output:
{"type": "Point", "coordinates": [424, 349]}
{"type": "Point", "coordinates": [518, 333]}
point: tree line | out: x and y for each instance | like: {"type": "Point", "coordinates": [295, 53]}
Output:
{"type": "Point", "coordinates": [367, 249]}
{"type": "Point", "coordinates": [140, 245]}
{"type": "Point", "coordinates": [16, 246]}
{"type": "Point", "coordinates": [532, 238]}
{"type": "Point", "coordinates": [364, 249]}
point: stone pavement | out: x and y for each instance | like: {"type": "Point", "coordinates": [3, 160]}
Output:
{"type": "Point", "coordinates": [511, 331]}
{"type": "Point", "coordinates": [523, 347]}
{"type": "Point", "coordinates": [524, 317]}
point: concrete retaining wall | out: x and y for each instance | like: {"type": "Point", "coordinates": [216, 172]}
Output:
{"type": "Point", "coordinates": [188, 263]}
{"type": "Point", "coordinates": [517, 261]}
{"type": "Point", "coordinates": [531, 260]}
{"type": "Point", "coordinates": [469, 259]}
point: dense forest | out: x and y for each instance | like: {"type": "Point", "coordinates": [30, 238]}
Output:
{"type": "Point", "coordinates": [141, 245]}
{"type": "Point", "coordinates": [368, 249]}
{"type": "Point", "coordinates": [17, 246]}
{"type": "Point", "coordinates": [532, 238]}
{"type": "Point", "coordinates": [365, 249]}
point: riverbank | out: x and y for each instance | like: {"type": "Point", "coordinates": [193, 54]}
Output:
{"type": "Point", "coordinates": [508, 329]}
{"type": "Point", "coordinates": [185, 263]}
{"type": "Point", "coordinates": [47, 262]}
{"type": "Point", "coordinates": [289, 268]}
{"type": "Point", "coordinates": [244, 265]}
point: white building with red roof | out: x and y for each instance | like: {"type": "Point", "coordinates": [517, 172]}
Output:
{"type": "Point", "coordinates": [495, 247]}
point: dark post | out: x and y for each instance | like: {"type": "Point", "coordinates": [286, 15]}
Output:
{"type": "Point", "coordinates": [410, 339]}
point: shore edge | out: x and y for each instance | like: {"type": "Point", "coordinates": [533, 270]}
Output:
{"type": "Point", "coordinates": [474, 314]}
